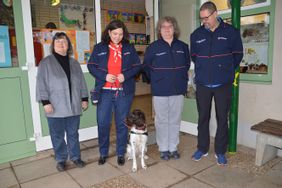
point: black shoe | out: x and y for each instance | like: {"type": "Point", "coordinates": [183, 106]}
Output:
{"type": "Point", "coordinates": [120, 160]}
{"type": "Point", "coordinates": [174, 155]}
{"type": "Point", "coordinates": [164, 155]}
{"type": "Point", "coordinates": [79, 163]}
{"type": "Point", "coordinates": [61, 166]}
{"type": "Point", "coordinates": [102, 160]}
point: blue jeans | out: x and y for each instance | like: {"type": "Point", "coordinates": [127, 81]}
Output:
{"type": "Point", "coordinates": [57, 128]}
{"type": "Point", "coordinates": [119, 103]}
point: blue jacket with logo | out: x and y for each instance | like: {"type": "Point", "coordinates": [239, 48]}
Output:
{"type": "Point", "coordinates": [98, 66]}
{"type": "Point", "coordinates": [216, 54]}
{"type": "Point", "coordinates": [167, 67]}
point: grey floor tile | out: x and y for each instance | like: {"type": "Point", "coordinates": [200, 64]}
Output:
{"type": "Point", "coordinates": [127, 168]}
{"type": "Point", "coordinates": [191, 183]}
{"type": "Point", "coordinates": [119, 182]}
{"type": "Point", "coordinates": [158, 176]}
{"type": "Point", "coordinates": [35, 169]}
{"type": "Point", "coordinates": [60, 180]}
{"type": "Point", "coordinates": [4, 165]}
{"type": "Point", "coordinates": [93, 174]}
{"type": "Point", "coordinates": [38, 156]}
{"type": "Point", "coordinates": [222, 177]}
{"type": "Point", "coordinates": [187, 165]}
{"type": "Point", "coordinates": [7, 178]}
{"type": "Point", "coordinates": [90, 143]}
{"type": "Point", "coordinates": [90, 154]}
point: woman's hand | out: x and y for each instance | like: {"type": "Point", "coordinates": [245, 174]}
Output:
{"type": "Point", "coordinates": [120, 78]}
{"type": "Point", "coordinates": [111, 78]}
{"type": "Point", "coordinates": [48, 108]}
{"type": "Point", "coordinates": [84, 105]}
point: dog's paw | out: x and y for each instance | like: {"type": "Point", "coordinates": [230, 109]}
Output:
{"type": "Point", "coordinates": [144, 167]}
{"type": "Point", "coordinates": [134, 169]}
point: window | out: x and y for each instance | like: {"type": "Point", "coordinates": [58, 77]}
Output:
{"type": "Point", "coordinates": [257, 30]}
{"type": "Point", "coordinates": [8, 44]}
{"type": "Point", "coordinates": [75, 18]}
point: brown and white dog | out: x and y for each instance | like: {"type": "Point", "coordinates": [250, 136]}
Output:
{"type": "Point", "coordinates": [137, 146]}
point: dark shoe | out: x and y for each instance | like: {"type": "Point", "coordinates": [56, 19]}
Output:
{"type": "Point", "coordinates": [102, 160]}
{"type": "Point", "coordinates": [120, 160]}
{"type": "Point", "coordinates": [164, 155]}
{"type": "Point", "coordinates": [79, 163]}
{"type": "Point", "coordinates": [174, 155]}
{"type": "Point", "coordinates": [61, 166]}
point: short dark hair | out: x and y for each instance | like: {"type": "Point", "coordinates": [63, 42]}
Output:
{"type": "Point", "coordinates": [208, 6]}
{"type": "Point", "coordinates": [50, 25]}
{"type": "Point", "coordinates": [61, 35]}
{"type": "Point", "coordinates": [171, 20]}
{"type": "Point", "coordinates": [115, 24]}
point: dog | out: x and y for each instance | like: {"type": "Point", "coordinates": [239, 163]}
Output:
{"type": "Point", "coordinates": [137, 146]}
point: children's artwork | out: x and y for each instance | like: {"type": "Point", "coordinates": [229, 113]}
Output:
{"type": "Point", "coordinates": [139, 18]}
{"type": "Point", "coordinates": [5, 53]}
{"type": "Point", "coordinates": [131, 38]}
{"type": "Point", "coordinates": [125, 16]}
{"type": "Point", "coordinates": [42, 39]}
{"type": "Point", "coordinates": [76, 17]}
{"type": "Point", "coordinates": [140, 39]}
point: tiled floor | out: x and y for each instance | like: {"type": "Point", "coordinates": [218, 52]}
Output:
{"type": "Point", "coordinates": [39, 171]}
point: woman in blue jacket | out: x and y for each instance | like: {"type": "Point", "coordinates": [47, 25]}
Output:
{"type": "Point", "coordinates": [114, 64]}
{"type": "Point", "coordinates": [166, 63]}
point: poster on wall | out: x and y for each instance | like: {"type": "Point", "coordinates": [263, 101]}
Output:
{"type": "Point", "coordinates": [80, 41]}
{"type": "Point", "coordinates": [5, 53]}
{"type": "Point", "coordinates": [76, 17]}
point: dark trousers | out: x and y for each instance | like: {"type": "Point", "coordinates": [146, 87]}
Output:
{"type": "Point", "coordinates": [119, 103]}
{"type": "Point", "coordinates": [222, 97]}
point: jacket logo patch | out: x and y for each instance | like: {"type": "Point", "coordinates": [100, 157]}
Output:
{"type": "Point", "coordinates": [179, 52]}
{"type": "Point", "coordinates": [221, 38]}
{"type": "Point", "coordinates": [160, 54]}
{"type": "Point", "coordinates": [200, 41]}
{"type": "Point", "coordinates": [102, 53]}
{"type": "Point", "coordinates": [126, 53]}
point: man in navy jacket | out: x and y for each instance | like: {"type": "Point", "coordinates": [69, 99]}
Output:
{"type": "Point", "coordinates": [216, 50]}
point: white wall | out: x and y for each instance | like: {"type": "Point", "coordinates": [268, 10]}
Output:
{"type": "Point", "coordinates": [184, 13]}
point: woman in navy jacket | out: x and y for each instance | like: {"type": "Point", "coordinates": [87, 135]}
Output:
{"type": "Point", "coordinates": [114, 64]}
{"type": "Point", "coordinates": [166, 63]}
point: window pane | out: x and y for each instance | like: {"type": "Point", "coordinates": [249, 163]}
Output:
{"type": "Point", "coordinates": [8, 45]}
{"type": "Point", "coordinates": [225, 4]}
{"type": "Point", "coordinates": [255, 37]}
{"type": "Point", "coordinates": [75, 17]}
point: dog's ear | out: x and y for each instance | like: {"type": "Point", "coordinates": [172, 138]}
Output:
{"type": "Point", "coordinates": [130, 120]}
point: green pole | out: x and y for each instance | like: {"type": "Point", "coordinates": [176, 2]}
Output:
{"type": "Point", "coordinates": [233, 116]}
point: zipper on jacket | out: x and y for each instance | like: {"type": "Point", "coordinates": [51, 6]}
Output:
{"type": "Point", "coordinates": [210, 63]}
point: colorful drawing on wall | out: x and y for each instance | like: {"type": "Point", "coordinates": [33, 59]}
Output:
{"type": "Point", "coordinates": [139, 18]}
{"type": "Point", "coordinates": [76, 17]}
{"type": "Point", "coordinates": [131, 38]}
{"type": "Point", "coordinates": [5, 53]}
{"type": "Point", "coordinates": [140, 39]}
{"type": "Point", "coordinates": [79, 40]}
{"type": "Point", "coordinates": [125, 16]}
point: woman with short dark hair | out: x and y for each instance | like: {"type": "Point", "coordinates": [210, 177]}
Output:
{"type": "Point", "coordinates": [114, 64]}
{"type": "Point", "coordinates": [61, 88]}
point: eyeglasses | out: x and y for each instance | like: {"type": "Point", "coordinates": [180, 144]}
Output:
{"type": "Point", "coordinates": [207, 17]}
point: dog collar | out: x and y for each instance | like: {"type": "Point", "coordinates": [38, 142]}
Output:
{"type": "Point", "coordinates": [145, 133]}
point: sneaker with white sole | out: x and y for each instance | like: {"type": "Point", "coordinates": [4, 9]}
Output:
{"type": "Point", "coordinates": [221, 159]}
{"type": "Point", "coordinates": [198, 155]}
